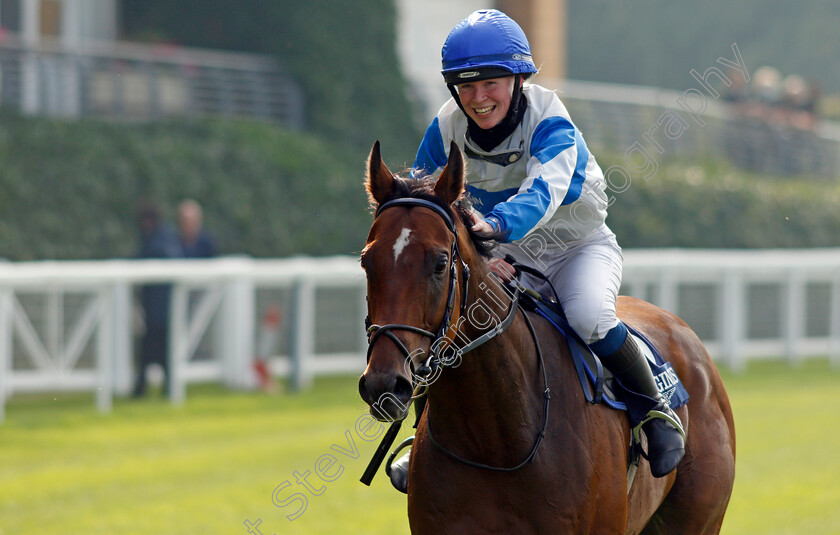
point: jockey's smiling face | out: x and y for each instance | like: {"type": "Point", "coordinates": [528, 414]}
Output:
{"type": "Point", "coordinates": [487, 101]}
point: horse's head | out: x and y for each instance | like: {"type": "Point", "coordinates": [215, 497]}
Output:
{"type": "Point", "coordinates": [413, 266]}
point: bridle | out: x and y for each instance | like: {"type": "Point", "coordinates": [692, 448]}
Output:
{"type": "Point", "coordinates": [374, 332]}
{"type": "Point", "coordinates": [433, 362]}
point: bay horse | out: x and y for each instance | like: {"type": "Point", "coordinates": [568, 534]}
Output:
{"type": "Point", "coordinates": [507, 442]}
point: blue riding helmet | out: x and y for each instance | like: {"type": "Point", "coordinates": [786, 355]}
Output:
{"type": "Point", "coordinates": [487, 44]}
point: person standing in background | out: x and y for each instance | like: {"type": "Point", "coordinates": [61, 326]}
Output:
{"type": "Point", "coordinates": [195, 241]}
{"type": "Point", "coordinates": [157, 240]}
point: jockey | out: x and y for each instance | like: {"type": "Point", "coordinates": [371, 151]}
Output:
{"type": "Point", "coordinates": [541, 194]}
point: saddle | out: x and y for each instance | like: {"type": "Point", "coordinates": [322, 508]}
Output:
{"type": "Point", "coordinates": [598, 383]}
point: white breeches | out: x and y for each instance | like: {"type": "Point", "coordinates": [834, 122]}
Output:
{"type": "Point", "coordinates": [586, 275]}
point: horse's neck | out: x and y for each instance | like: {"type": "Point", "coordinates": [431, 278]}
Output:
{"type": "Point", "coordinates": [494, 395]}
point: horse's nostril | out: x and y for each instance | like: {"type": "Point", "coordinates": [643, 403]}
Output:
{"type": "Point", "coordinates": [363, 390]}
{"type": "Point", "coordinates": [387, 394]}
{"type": "Point", "coordinates": [403, 390]}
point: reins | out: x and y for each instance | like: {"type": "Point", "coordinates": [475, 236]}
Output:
{"type": "Point", "coordinates": [374, 332]}
{"type": "Point", "coordinates": [540, 436]}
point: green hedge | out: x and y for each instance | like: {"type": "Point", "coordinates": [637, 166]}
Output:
{"type": "Point", "coordinates": [69, 190]}
{"type": "Point", "coordinates": [714, 204]}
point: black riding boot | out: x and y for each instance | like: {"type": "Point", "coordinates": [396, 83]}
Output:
{"type": "Point", "coordinates": [398, 470]}
{"type": "Point", "coordinates": [666, 445]}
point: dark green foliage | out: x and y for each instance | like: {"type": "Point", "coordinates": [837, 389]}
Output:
{"type": "Point", "coordinates": [718, 206]}
{"type": "Point", "coordinates": [342, 52]}
{"type": "Point", "coordinates": [70, 190]}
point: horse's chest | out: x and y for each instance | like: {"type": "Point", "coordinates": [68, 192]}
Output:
{"type": "Point", "coordinates": [530, 502]}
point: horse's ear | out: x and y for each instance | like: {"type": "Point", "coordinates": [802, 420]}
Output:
{"type": "Point", "coordinates": [380, 181]}
{"type": "Point", "coordinates": [450, 183]}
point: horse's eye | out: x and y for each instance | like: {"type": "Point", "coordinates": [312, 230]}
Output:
{"type": "Point", "coordinates": [440, 267]}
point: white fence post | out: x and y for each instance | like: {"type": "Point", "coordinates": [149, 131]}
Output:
{"type": "Point", "coordinates": [104, 351]}
{"type": "Point", "coordinates": [178, 344]}
{"type": "Point", "coordinates": [5, 349]}
{"type": "Point", "coordinates": [123, 326]}
{"type": "Point", "coordinates": [732, 318]}
{"type": "Point", "coordinates": [238, 341]}
{"type": "Point", "coordinates": [54, 332]}
{"type": "Point", "coordinates": [795, 314]}
{"type": "Point", "coordinates": [834, 319]}
{"type": "Point", "coordinates": [302, 333]}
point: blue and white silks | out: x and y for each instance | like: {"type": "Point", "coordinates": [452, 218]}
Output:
{"type": "Point", "coordinates": [556, 185]}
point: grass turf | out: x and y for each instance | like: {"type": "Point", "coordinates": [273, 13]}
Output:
{"type": "Point", "coordinates": [213, 464]}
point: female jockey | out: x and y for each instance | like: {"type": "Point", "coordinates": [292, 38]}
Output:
{"type": "Point", "coordinates": [542, 196]}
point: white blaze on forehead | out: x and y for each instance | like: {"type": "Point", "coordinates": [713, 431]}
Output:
{"type": "Point", "coordinates": [401, 242]}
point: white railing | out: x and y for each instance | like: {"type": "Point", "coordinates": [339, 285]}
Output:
{"type": "Point", "coordinates": [124, 80]}
{"type": "Point", "coordinates": [71, 325]}
{"type": "Point", "coordinates": [633, 119]}
{"type": "Point", "coordinates": [746, 304]}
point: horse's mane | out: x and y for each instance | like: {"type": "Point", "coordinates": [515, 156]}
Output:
{"type": "Point", "coordinates": [423, 188]}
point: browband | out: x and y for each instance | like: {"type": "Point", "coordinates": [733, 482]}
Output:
{"type": "Point", "coordinates": [411, 201]}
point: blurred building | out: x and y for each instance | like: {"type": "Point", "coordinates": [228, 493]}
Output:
{"type": "Point", "coordinates": [64, 58]}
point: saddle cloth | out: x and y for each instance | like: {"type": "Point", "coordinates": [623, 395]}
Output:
{"type": "Point", "coordinates": [598, 383]}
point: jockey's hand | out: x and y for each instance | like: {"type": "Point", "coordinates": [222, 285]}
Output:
{"type": "Point", "coordinates": [483, 229]}
{"type": "Point", "coordinates": [502, 269]}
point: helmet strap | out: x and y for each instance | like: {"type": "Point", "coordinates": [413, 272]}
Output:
{"type": "Point", "coordinates": [454, 92]}
{"type": "Point", "coordinates": [515, 101]}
